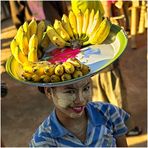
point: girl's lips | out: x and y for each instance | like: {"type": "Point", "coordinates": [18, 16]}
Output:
{"type": "Point", "coordinates": [78, 109]}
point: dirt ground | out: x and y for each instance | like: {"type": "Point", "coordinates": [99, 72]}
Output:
{"type": "Point", "coordinates": [24, 107]}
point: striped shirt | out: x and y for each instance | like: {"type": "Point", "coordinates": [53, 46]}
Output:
{"type": "Point", "coordinates": [105, 123]}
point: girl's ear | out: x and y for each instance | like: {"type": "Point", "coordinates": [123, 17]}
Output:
{"type": "Point", "coordinates": [48, 92]}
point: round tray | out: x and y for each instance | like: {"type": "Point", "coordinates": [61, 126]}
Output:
{"type": "Point", "coordinates": [97, 57]}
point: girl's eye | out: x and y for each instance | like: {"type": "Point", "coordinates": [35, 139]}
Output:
{"type": "Point", "coordinates": [70, 92]}
{"type": "Point", "coordinates": [86, 88]}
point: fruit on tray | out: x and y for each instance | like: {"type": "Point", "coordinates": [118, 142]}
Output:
{"type": "Point", "coordinates": [46, 72]}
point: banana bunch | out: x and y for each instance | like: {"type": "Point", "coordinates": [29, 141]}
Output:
{"type": "Point", "coordinates": [31, 38]}
{"type": "Point", "coordinates": [79, 29]}
{"type": "Point", "coordinates": [44, 71]}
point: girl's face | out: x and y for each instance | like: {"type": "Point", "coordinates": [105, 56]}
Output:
{"type": "Point", "coordinates": [72, 99]}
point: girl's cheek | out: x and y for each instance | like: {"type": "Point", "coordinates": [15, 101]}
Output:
{"type": "Point", "coordinates": [87, 95]}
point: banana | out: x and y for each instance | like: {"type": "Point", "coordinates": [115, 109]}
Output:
{"type": "Point", "coordinates": [60, 30]}
{"type": "Point", "coordinates": [73, 23]}
{"type": "Point", "coordinates": [45, 41]}
{"type": "Point", "coordinates": [35, 78]}
{"type": "Point", "coordinates": [26, 30]}
{"type": "Point", "coordinates": [79, 18]}
{"type": "Point", "coordinates": [91, 18]}
{"type": "Point", "coordinates": [74, 62]}
{"type": "Point", "coordinates": [49, 69]}
{"type": "Point", "coordinates": [55, 78]}
{"type": "Point", "coordinates": [27, 76]}
{"type": "Point", "coordinates": [40, 30]}
{"type": "Point", "coordinates": [32, 27]}
{"type": "Point", "coordinates": [59, 70]}
{"type": "Point", "coordinates": [45, 78]}
{"type": "Point", "coordinates": [85, 21]}
{"type": "Point", "coordinates": [85, 69]}
{"type": "Point", "coordinates": [13, 45]}
{"type": "Point", "coordinates": [77, 73]}
{"type": "Point", "coordinates": [67, 26]}
{"type": "Point", "coordinates": [23, 44]}
{"type": "Point", "coordinates": [29, 67]}
{"type": "Point", "coordinates": [55, 38]}
{"type": "Point", "coordinates": [39, 70]}
{"type": "Point", "coordinates": [32, 55]}
{"type": "Point", "coordinates": [66, 77]}
{"type": "Point", "coordinates": [68, 67]}
{"type": "Point", "coordinates": [96, 22]}
{"type": "Point", "coordinates": [101, 33]}
{"type": "Point", "coordinates": [19, 34]}
{"type": "Point", "coordinates": [33, 42]}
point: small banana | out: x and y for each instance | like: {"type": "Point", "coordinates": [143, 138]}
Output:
{"type": "Point", "coordinates": [32, 27]}
{"type": "Point", "coordinates": [66, 77]}
{"type": "Point", "coordinates": [35, 78]}
{"type": "Point", "coordinates": [19, 34]}
{"type": "Point", "coordinates": [32, 55]}
{"type": "Point", "coordinates": [13, 45]}
{"type": "Point", "coordinates": [68, 67]}
{"type": "Point", "coordinates": [79, 18]}
{"type": "Point", "coordinates": [45, 41]}
{"type": "Point", "coordinates": [60, 30]}
{"type": "Point", "coordinates": [26, 30]}
{"type": "Point", "coordinates": [96, 22]}
{"type": "Point", "coordinates": [49, 69]}
{"type": "Point", "coordinates": [73, 23]}
{"type": "Point", "coordinates": [40, 30]}
{"type": "Point", "coordinates": [85, 69]}
{"type": "Point", "coordinates": [59, 69]}
{"type": "Point", "coordinates": [74, 62]}
{"type": "Point", "coordinates": [27, 76]}
{"type": "Point", "coordinates": [91, 18]}
{"type": "Point", "coordinates": [55, 38]}
{"type": "Point", "coordinates": [39, 70]}
{"type": "Point", "coordinates": [77, 74]}
{"type": "Point", "coordinates": [33, 42]}
{"type": "Point", "coordinates": [85, 22]}
{"type": "Point", "coordinates": [29, 67]}
{"type": "Point", "coordinates": [23, 44]}
{"type": "Point", "coordinates": [45, 78]}
{"type": "Point", "coordinates": [67, 26]}
{"type": "Point", "coordinates": [55, 78]}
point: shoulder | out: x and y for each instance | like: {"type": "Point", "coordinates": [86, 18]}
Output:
{"type": "Point", "coordinates": [43, 134]}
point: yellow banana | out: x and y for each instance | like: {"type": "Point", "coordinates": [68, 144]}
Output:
{"type": "Point", "coordinates": [79, 18]}
{"type": "Point", "coordinates": [39, 70]}
{"type": "Point", "coordinates": [91, 18]}
{"type": "Point", "coordinates": [73, 23]}
{"type": "Point", "coordinates": [85, 69]}
{"type": "Point", "coordinates": [19, 34]}
{"type": "Point", "coordinates": [32, 55]}
{"type": "Point", "coordinates": [67, 26]}
{"type": "Point", "coordinates": [68, 67]}
{"type": "Point", "coordinates": [40, 30]}
{"type": "Point", "coordinates": [45, 78]}
{"type": "Point", "coordinates": [55, 78]}
{"type": "Point", "coordinates": [45, 41]}
{"type": "Point", "coordinates": [101, 33]}
{"type": "Point", "coordinates": [27, 76]}
{"type": "Point", "coordinates": [85, 21]}
{"type": "Point", "coordinates": [26, 30]}
{"type": "Point", "coordinates": [77, 74]}
{"type": "Point", "coordinates": [66, 77]}
{"type": "Point", "coordinates": [32, 27]}
{"type": "Point", "coordinates": [55, 38]}
{"type": "Point", "coordinates": [23, 44]}
{"type": "Point", "coordinates": [96, 22]}
{"type": "Point", "coordinates": [59, 70]}
{"type": "Point", "coordinates": [35, 78]}
{"type": "Point", "coordinates": [60, 30]}
{"type": "Point", "coordinates": [74, 62]}
{"type": "Point", "coordinates": [29, 67]}
{"type": "Point", "coordinates": [13, 45]}
{"type": "Point", "coordinates": [33, 42]}
{"type": "Point", "coordinates": [49, 69]}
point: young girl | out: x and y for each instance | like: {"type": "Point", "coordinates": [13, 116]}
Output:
{"type": "Point", "coordinates": [76, 122]}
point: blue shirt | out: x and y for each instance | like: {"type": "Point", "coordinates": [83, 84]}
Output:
{"type": "Point", "coordinates": [105, 123]}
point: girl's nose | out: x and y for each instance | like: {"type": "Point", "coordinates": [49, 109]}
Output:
{"type": "Point", "coordinates": [79, 98]}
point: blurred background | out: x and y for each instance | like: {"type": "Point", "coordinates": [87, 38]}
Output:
{"type": "Point", "coordinates": [23, 107]}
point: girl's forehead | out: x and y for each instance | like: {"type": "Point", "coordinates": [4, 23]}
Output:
{"type": "Point", "coordinates": [76, 85]}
